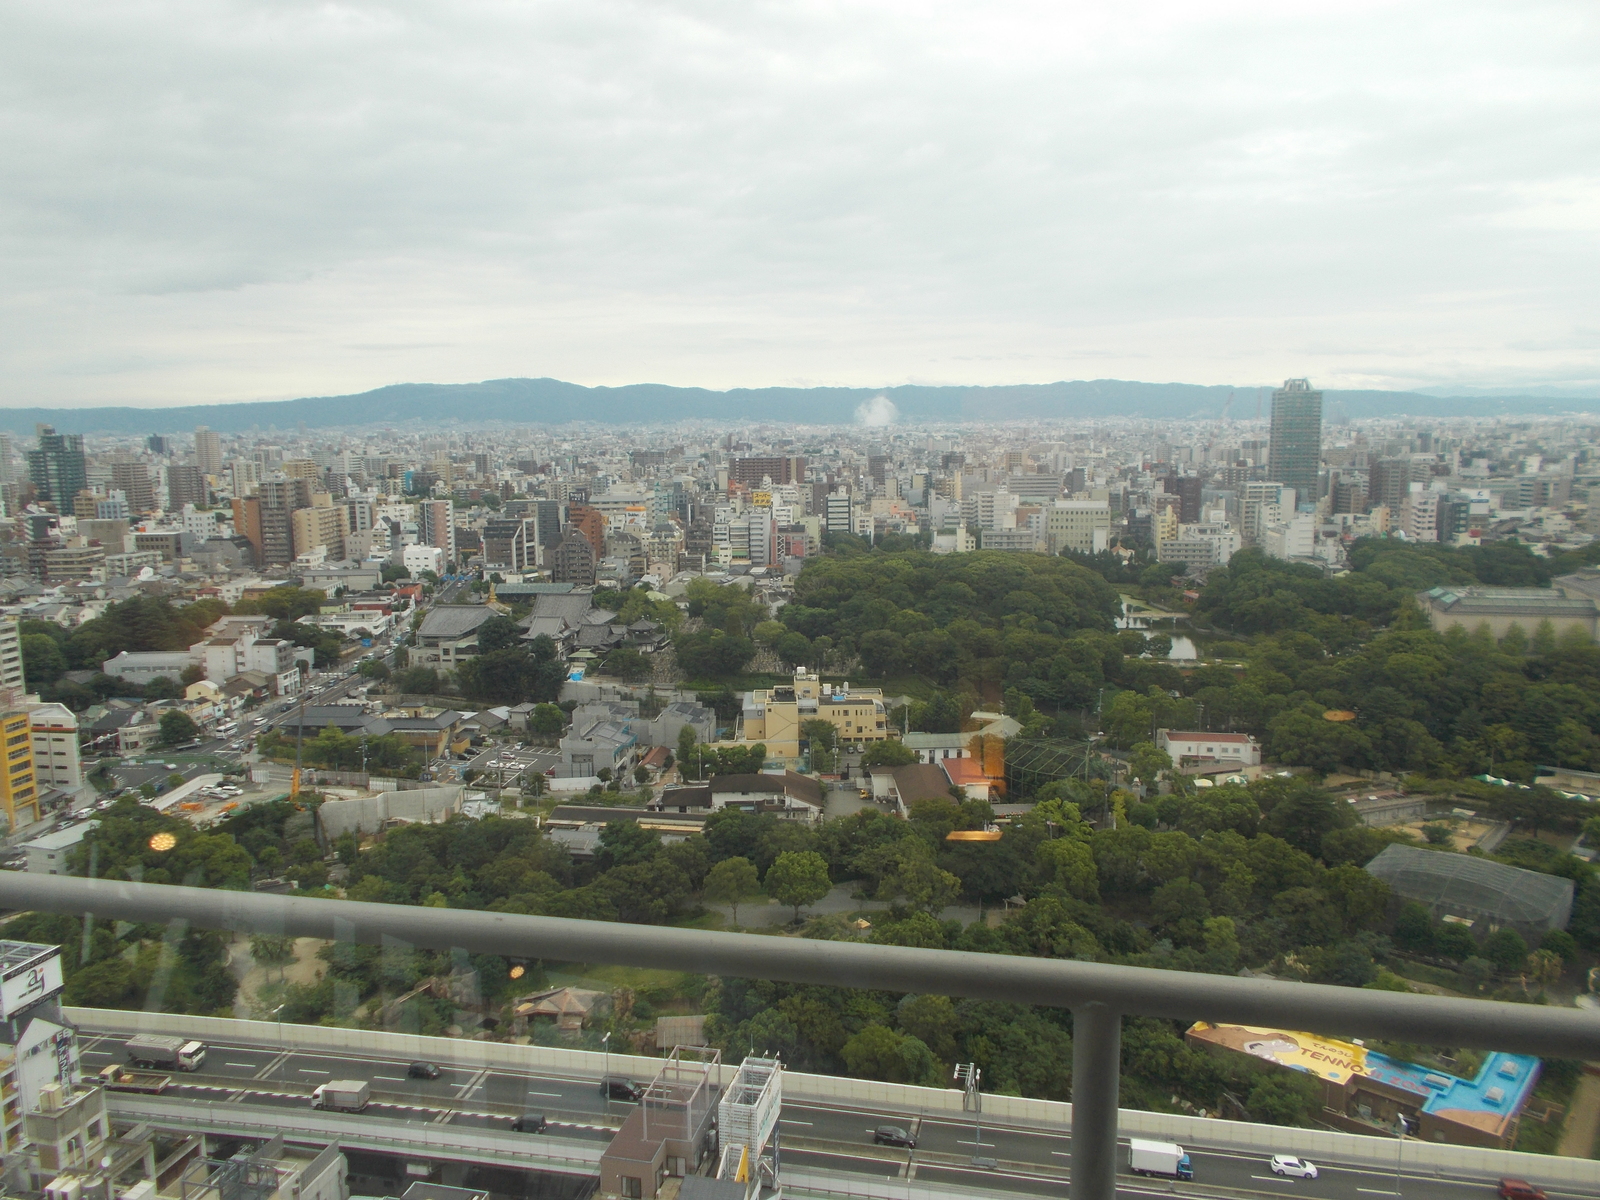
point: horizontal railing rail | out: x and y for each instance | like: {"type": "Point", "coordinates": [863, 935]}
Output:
{"type": "Point", "coordinates": [1429, 1020]}
{"type": "Point", "coordinates": [1099, 994]}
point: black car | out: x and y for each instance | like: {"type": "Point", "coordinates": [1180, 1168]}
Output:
{"type": "Point", "coordinates": [613, 1087]}
{"type": "Point", "coordinates": [893, 1135]}
{"type": "Point", "coordinates": [529, 1123]}
{"type": "Point", "coordinates": [423, 1070]}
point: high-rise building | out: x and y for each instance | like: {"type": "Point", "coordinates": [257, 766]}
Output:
{"type": "Point", "coordinates": [548, 516]}
{"type": "Point", "coordinates": [573, 560]}
{"type": "Point", "coordinates": [266, 519]}
{"type": "Point", "coordinates": [436, 526]}
{"type": "Point", "coordinates": [158, 444]}
{"type": "Point", "coordinates": [244, 474]}
{"type": "Point", "coordinates": [57, 467]}
{"type": "Point", "coordinates": [7, 455]}
{"type": "Point", "coordinates": [1187, 489]}
{"type": "Point", "coordinates": [185, 485]}
{"type": "Point", "coordinates": [207, 451]}
{"type": "Point", "coordinates": [321, 524]}
{"type": "Point", "coordinates": [1295, 454]}
{"type": "Point", "coordinates": [1389, 481]}
{"type": "Point", "coordinates": [132, 478]}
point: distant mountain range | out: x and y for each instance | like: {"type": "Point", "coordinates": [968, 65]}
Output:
{"type": "Point", "coordinates": [553, 402]}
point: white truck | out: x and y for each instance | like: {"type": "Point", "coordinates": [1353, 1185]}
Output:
{"type": "Point", "coordinates": [342, 1095]}
{"type": "Point", "coordinates": [1159, 1158]}
{"type": "Point", "coordinates": [150, 1050]}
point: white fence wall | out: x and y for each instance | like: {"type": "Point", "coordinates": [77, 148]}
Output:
{"type": "Point", "coordinates": [861, 1093]}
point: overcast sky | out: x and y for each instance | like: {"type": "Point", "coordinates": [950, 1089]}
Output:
{"type": "Point", "coordinates": [229, 201]}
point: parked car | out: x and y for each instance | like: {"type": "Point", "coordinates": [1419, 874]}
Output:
{"type": "Point", "coordinates": [893, 1135]}
{"type": "Point", "coordinates": [1295, 1168]}
{"type": "Point", "coordinates": [423, 1070]}
{"type": "Point", "coordinates": [1520, 1189]}
{"type": "Point", "coordinates": [614, 1087]}
{"type": "Point", "coordinates": [529, 1123]}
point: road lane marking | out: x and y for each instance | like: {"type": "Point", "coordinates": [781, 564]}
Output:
{"type": "Point", "coordinates": [788, 1121]}
{"type": "Point", "coordinates": [233, 1064]}
{"type": "Point", "coordinates": [547, 1095]}
{"type": "Point", "coordinates": [964, 1142]}
{"type": "Point", "coordinates": [392, 1078]}
{"type": "Point", "coordinates": [312, 1071]}
{"type": "Point", "coordinates": [1376, 1192]}
{"type": "Point", "coordinates": [1061, 1153]}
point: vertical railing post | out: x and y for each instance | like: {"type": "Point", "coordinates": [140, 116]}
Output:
{"type": "Point", "coordinates": [1096, 1071]}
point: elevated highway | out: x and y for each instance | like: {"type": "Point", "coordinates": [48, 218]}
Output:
{"type": "Point", "coordinates": [258, 1076]}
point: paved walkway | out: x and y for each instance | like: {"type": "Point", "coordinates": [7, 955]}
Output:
{"type": "Point", "coordinates": [1580, 1136]}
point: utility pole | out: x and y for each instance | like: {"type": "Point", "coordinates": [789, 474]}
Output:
{"type": "Point", "coordinates": [299, 740]}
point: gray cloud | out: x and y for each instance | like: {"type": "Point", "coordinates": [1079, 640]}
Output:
{"type": "Point", "coordinates": [229, 200]}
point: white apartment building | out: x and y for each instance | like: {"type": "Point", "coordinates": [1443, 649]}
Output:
{"type": "Point", "coordinates": [12, 684]}
{"type": "Point", "coordinates": [417, 559]}
{"type": "Point", "coordinates": [1200, 545]}
{"type": "Point", "coordinates": [1262, 504]}
{"type": "Point", "coordinates": [1419, 514]}
{"type": "Point", "coordinates": [56, 763]}
{"type": "Point", "coordinates": [1295, 538]}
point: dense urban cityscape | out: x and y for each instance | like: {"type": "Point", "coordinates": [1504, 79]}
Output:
{"type": "Point", "coordinates": [1267, 694]}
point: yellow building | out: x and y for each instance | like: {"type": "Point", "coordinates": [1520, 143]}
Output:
{"type": "Point", "coordinates": [320, 525]}
{"type": "Point", "coordinates": [19, 792]}
{"type": "Point", "coordinates": [773, 717]}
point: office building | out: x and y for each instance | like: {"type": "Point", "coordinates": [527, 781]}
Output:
{"type": "Point", "coordinates": [1082, 526]}
{"type": "Point", "coordinates": [1294, 456]}
{"type": "Point", "coordinates": [507, 545]}
{"type": "Point", "coordinates": [547, 516]}
{"type": "Point", "coordinates": [207, 451]}
{"type": "Point", "coordinates": [57, 467]}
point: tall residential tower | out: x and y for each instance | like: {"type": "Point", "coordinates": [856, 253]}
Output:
{"type": "Point", "coordinates": [1295, 455]}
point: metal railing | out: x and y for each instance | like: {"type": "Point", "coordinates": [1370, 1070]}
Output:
{"type": "Point", "coordinates": [1098, 994]}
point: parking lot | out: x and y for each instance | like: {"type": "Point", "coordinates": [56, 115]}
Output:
{"type": "Point", "coordinates": [511, 762]}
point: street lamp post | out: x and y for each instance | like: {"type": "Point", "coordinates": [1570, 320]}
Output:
{"type": "Point", "coordinates": [605, 1078]}
{"type": "Point", "coordinates": [283, 1049]}
{"type": "Point", "coordinates": [970, 1074]}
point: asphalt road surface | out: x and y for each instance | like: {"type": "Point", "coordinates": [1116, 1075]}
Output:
{"type": "Point", "coordinates": [1028, 1161]}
